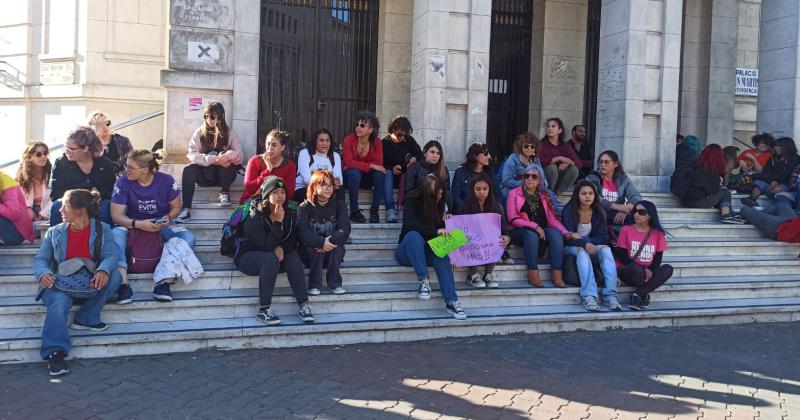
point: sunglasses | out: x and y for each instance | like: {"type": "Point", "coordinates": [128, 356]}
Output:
{"type": "Point", "coordinates": [530, 176]}
{"type": "Point", "coordinates": [640, 212]}
{"type": "Point", "coordinates": [210, 117]}
{"type": "Point", "coordinates": [40, 154]}
{"type": "Point", "coordinates": [529, 146]}
{"type": "Point", "coordinates": [108, 123]}
{"type": "Point", "coordinates": [362, 125]}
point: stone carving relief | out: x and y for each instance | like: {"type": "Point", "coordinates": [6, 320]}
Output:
{"type": "Point", "coordinates": [202, 13]}
{"type": "Point", "coordinates": [559, 69]}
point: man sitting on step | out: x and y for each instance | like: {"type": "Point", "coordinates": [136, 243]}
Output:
{"type": "Point", "coordinates": [778, 222]}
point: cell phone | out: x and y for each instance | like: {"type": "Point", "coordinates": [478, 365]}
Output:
{"type": "Point", "coordinates": [161, 221]}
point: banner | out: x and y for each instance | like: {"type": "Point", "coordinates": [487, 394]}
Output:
{"type": "Point", "coordinates": [483, 231]}
{"type": "Point", "coordinates": [443, 245]}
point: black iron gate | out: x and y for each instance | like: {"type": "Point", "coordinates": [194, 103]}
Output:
{"type": "Point", "coordinates": [318, 65]}
{"type": "Point", "coordinates": [592, 65]}
{"type": "Point", "coordinates": [509, 74]}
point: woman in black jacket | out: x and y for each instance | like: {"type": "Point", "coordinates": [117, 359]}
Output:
{"type": "Point", "coordinates": [432, 163]}
{"type": "Point", "coordinates": [775, 176]}
{"type": "Point", "coordinates": [324, 225]}
{"type": "Point", "coordinates": [705, 185]}
{"type": "Point", "coordinates": [477, 162]}
{"type": "Point", "coordinates": [269, 245]}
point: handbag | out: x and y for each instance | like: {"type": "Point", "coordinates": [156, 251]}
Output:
{"type": "Point", "coordinates": [74, 276]}
{"type": "Point", "coordinates": [569, 270]}
{"type": "Point", "coordinates": [143, 251]}
{"type": "Point", "coordinates": [630, 265]}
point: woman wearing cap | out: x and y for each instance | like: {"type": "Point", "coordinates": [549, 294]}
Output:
{"type": "Point", "coordinates": [269, 245]}
{"type": "Point", "coordinates": [116, 147]}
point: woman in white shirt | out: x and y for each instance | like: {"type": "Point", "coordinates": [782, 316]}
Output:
{"type": "Point", "coordinates": [33, 175]}
{"type": "Point", "coordinates": [318, 155]}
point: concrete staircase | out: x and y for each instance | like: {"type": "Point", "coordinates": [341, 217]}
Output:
{"type": "Point", "coordinates": [723, 274]}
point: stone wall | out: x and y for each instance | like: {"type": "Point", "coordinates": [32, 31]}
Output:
{"type": "Point", "coordinates": [393, 93]}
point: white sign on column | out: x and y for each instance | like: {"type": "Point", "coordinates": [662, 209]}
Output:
{"type": "Point", "coordinates": [746, 82]}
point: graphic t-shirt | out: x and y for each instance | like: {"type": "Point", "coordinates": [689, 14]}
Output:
{"type": "Point", "coordinates": [150, 202]}
{"type": "Point", "coordinates": [609, 192]}
{"type": "Point", "coordinates": [631, 239]}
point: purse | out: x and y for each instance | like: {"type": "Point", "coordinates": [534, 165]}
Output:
{"type": "Point", "coordinates": [630, 265]}
{"type": "Point", "coordinates": [143, 251]}
{"type": "Point", "coordinates": [74, 276]}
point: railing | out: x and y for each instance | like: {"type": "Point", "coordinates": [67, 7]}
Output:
{"type": "Point", "coordinates": [744, 143]}
{"type": "Point", "coordinates": [124, 124]}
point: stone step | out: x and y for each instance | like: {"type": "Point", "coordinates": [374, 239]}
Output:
{"type": "Point", "coordinates": [22, 344]}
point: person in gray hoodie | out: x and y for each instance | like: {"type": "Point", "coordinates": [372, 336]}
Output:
{"type": "Point", "coordinates": [618, 193]}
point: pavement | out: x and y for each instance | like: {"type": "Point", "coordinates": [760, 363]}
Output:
{"type": "Point", "coordinates": [716, 372]}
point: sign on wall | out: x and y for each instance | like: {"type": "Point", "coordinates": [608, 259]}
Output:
{"type": "Point", "coordinates": [202, 52]}
{"type": "Point", "coordinates": [746, 82]}
{"type": "Point", "coordinates": [57, 73]}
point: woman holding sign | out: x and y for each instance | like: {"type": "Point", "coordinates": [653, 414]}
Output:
{"type": "Point", "coordinates": [481, 199]}
{"type": "Point", "coordinates": [587, 240]}
{"type": "Point", "coordinates": [533, 220]}
{"type": "Point", "coordinates": [423, 220]}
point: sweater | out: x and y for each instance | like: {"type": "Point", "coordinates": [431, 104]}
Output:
{"type": "Point", "coordinates": [460, 190]}
{"type": "Point", "coordinates": [519, 219]}
{"type": "Point", "coordinates": [306, 168]}
{"type": "Point", "coordinates": [316, 222]}
{"type": "Point", "coordinates": [417, 172]}
{"type": "Point", "coordinates": [547, 152]}
{"type": "Point", "coordinates": [627, 191]}
{"type": "Point", "coordinates": [67, 175]}
{"type": "Point", "coordinates": [352, 160]}
{"type": "Point", "coordinates": [257, 170]}
{"type": "Point", "coordinates": [413, 219]}
{"type": "Point", "coordinates": [260, 233]}
{"type": "Point", "coordinates": [201, 157]}
{"type": "Point", "coordinates": [13, 208]}
{"type": "Point", "coordinates": [597, 236]}
{"type": "Point", "coordinates": [396, 153]}
{"type": "Point", "coordinates": [702, 184]}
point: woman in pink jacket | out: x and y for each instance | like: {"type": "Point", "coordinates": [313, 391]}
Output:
{"type": "Point", "coordinates": [533, 223]}
{"type": "Point", "coordinates": [15, 222]}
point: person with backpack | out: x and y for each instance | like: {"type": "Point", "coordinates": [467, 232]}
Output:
{"type": "Point", "coordinates": [588, 241]}
{"type": "Point", "coordinates": [144, 203]}
{"type": "Point", "coordinates": [271, 162]}
{"type": "Point", "coordinates": [268, 245]}
{"type": "Point", "coordinates": [77, 259]}
{"type": "Point", "coordinates": [318, 155]}
{"type": "Point", "coordinates": [323, 226]}
{"type": "Point", "coordinates": [704, 189]}
{"type": "Point", "coordinates": [774, 178]}
{"type": "Point", "coordinates": [617, 193]}
{"type": "Point", "coordinates": [400, 151]}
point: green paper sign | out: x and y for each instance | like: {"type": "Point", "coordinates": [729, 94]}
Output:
{"type": "Point", "coordinates": [443, 245]}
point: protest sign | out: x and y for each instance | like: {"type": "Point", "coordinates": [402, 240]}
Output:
{"type": "Point", "coordinates": [443, 245]}
{"type": "Point", "coordinates": [483, 231]}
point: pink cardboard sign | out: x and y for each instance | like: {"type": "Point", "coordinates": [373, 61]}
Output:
{"type": "Point", "coordinates": [483, 231]}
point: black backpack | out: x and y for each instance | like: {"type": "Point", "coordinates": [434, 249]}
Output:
{"type": "Point", "coordinates": [681, 181]}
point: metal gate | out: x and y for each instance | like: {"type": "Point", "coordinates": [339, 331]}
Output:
{"type": "Point", "coordinates": [318, 66]}
{"type": "Point", "coordinates": [592, 65]}
{"type": "Point", "coordinates": [509, 74]}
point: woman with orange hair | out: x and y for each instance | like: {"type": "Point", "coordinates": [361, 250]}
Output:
{"type": "Point", "coordinates": [324, 225]}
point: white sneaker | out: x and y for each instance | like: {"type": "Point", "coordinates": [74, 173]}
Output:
{"type": "Point", "coordinates": [455, 309]}
{"type": "Point", "coordinates": [391, 216]}
{"type": "Point", "coordinates": [313, 291]}
{"type": "Point", "coordinates": [338, 290]}
{"type": "Point", "coordinates": [476, 281]}
{"type": "Point", "coordinates": [491, 281]}
{"type": "Point", "coordinates": [424, 292]}
{"type": "Point", "coordinates": [224, 200]}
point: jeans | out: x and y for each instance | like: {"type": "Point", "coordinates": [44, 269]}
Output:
{"type": "Point", "coordinates": [355, 179]}
{"type": "Point", "coordinates": [529, 240]}
{"type": "Point", "coordinates": [205, 176]}
{"type": "Point", "coordinates": [121, 238]}
{"type": "Point", "coordinates": [105, 213]}
{"type": "Point", "coordinates": [55, 334]}
{"type": "Point", "coordinates": [586, 272]}
{"type": "Point", "coordinates": [9, 235]}
{"type": "Point", "coordinates": [316, 261]}
{"type": "Point", "coordinates": [789, 198]}
{"type": "Point", "coordinates": [765, 187]}
{"type": "Point", "coordinates": [558, 180]}
{"type": "Point", "coordinates": [414, 252]}
{"type": "Point", "coordinates": [767, 220]}
{"type": "Point", "coordinates": [266, 266]}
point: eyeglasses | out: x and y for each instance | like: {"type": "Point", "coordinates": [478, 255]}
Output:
{"type": "Point", "coordinates": [640, 212]}
{"type": "Point", "coordinates": [529, 146]}
{"type": "Point", "coordinates": [530, 176]}
{"type": "Point", "coordinates": [40, 153]}
{"type": "Point", "coordinates": [108, 123]}
{"type": "Point", "coordinates": [326, 185]}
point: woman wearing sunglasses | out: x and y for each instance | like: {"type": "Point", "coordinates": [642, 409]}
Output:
{"type": "Point", "coordinates": [525, 147]}
{"type": "Point", "coordinates": [362, 155]}
{"type": "Point", "coordinates": [617, 193]}
{"type": "Point", "coordinates": [115, 146]}
{"type": "Point", "coordinates": [533, 223]}
{"type": "Point", "coordinates": [640, 247]}
{"type": "Point", "coordinates": [33, 175]}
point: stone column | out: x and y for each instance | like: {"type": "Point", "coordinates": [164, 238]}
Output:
{"type": "Point", "coordinates": [213, 56]}
{"type": "Point", "coordinates": [637, 99]}
{"type": "Point", "coordinates": [558, 63]}
{"type": "Point", "coordinates": [450, 73]}
{"type": "Point", "coordinates": [393, 93]}
{"type": "Point", "coordinates": [778, 80]}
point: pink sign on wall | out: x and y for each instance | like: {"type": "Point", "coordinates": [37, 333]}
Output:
{"type": "Point", "coordinates": [483, 231]}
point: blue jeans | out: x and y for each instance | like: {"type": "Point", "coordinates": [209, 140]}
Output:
{"type": "Point", "coordinates": [414, 252]}
{"type": "Point", "coordinates": [121, 238]}
{"type": "Point", "coordinates": [790, 198]}
{"type": "Point", "coordinates": [388, 189]}
{"type": "Point", "coordinates": [9, 235]}
{"type": "Point", "coordinates": [765, 188]}
{"type": "Point", "coordinates": [529, 240]}
{"type": "Point", "coordinates": [105, 213]}
{"type": "Point", "coordinates": [55, 334]}
{"type": "Point", "coordinates": [586, 272]}
{"type": "Point", "coordinates": [355, 179]}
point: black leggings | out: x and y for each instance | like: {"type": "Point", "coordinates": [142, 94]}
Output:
{"type": "Point", "coordinates": [265, 265]}
{"type": "Point", "coordinates": [634, 275]}
{"type": "Point", "coordinates": [205, 176]}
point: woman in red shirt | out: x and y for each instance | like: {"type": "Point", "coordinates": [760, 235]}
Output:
{"type": "Point", "coordinates": [363, 165]}
{"type": "Point", "coordinates": [271, 162]}
{"type": "Point", "coordinates": [558, 158]}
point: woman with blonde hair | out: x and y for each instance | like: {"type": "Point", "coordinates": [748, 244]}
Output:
{"type": "Point", "coordinates": [33, 175]}
{"type": "Point", "coordinates": [115, 146]}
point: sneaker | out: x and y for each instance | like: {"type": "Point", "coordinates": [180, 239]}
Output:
{"type": "Point", "coordinates": [338, 290]}
{"type": "Point", "coordinates": [646, 300]}
{"type": "Point", "coordinates": [224, 199]}
{"type": "Point", "coordinates": [374, 217]}
{"type": "Point", "coordinates": [739, 219]}
{"type": "Point", "coordinates": [613, 303]}
{"type": "Point", "coordinates": [100, 326]}
{"type": "Point", "coordinates": [636, 303]}
{"type": "Point", "coordinates": [476, 281]}
{"type": "Point", "coordinates": [314, 291]}
{"type": "Point", "coordinates": [491, 281]}
{"type": "Point", "coordinates": [424, 292]}
{"type": "Point", "coordinates": [57, 364]}
{"type": "Point", "coordinates": [357, 217]}
{"type": "Point", "coordinates": [162, 293]}
{"type": "Point", "coordinates": [506, 258]}
{"type": "Point", "coordinates": [590, 304]}
{"type": "Point", "coordinates": [455, 309]}
{"type": "Point", "coordinates": [305, 313]}
{"type": "Point", "coordinates": [124, 293]}
{"type": "Point", "coordinates": [349, 240]}
{"type": "Point", "coordinates": [266, 316]}
{"type": "Point", "coordinates": [730, 219]}
{"type": "Point", "coordinates": [391, 216]}
{"type": "Point", "coordinates": [749, 202]}
{"type": "Point", "coordinates": [184, 216]}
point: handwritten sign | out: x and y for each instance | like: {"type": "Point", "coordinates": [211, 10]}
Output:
{"type": "Point", "coordinates": [483, 231]}
{"type": "Point", "coordinates": [443, 245]}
